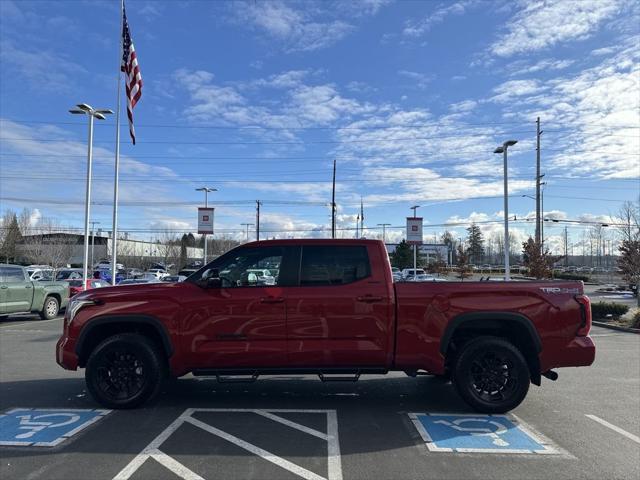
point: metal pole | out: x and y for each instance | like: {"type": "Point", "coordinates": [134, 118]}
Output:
{"type": "Point", "coordinates": [257, 219]}
{"type": "Point", "coordinates": [538, 178]}
{"type": "Point", "coordinates": [507, 270]}
{"type": "Point", "coordinates": [114, 236]}
{"type": "Point", "coordinates": [93, 239]}
{"type": "Point", "coordinates": [204, 235]}
{"type": "Point", "coordinates": [542, 219]}
{"type": "Point", "coordinates": [87, 200]}
{"type": "Point", "coordinates": [333, 203]}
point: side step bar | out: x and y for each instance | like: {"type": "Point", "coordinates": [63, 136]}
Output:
{"type": "Point", "coordinates": [240, 375]}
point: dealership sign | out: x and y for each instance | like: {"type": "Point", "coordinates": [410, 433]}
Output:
{"type": "Point", "coordinates": [205, 220]}
{"type": "Point", "coordinates": [414, 230]}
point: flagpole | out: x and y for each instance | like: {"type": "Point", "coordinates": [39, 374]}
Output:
{"type": "Point", "coordinates": [114, 231]}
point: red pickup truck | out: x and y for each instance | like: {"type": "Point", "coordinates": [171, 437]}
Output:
{"type": "Point", "coordinates": [325, 307]}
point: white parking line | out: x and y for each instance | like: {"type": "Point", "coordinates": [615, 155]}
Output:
{"type": "Point", "coordinates": [622, 432]}
{"type": "Point", "coordinates": [334, 466]}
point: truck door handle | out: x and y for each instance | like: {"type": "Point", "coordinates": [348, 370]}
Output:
{"type": "Point", "coordinates": [369, 298]}
{"type": "Point", "coordinates": [272, 300]}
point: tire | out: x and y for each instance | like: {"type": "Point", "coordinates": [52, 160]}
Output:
{"type": "Point", "coordinates": [125, 371]}
{"type": "Point", "coordinates": [491, 375]}
{"type": "Point", "coordinates": [50, 309]}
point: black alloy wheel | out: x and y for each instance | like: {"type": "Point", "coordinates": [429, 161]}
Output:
{"type": "Point", "coordinates": [125, 371]}
{"type": "Point", "coordinates": [491, 375]}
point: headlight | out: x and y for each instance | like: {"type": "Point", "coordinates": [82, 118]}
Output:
{"type": "Point", "coordinates": [76, 305]}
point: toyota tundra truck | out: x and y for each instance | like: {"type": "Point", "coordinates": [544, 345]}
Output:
{"type": "Point", "coordinates": [20, 294]}
{"type": "Point", "coordinates": [333, 311]}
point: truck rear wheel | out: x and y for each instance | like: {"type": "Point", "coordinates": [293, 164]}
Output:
{"type": "Point", "coordinates": [50, 309]}
{"type": "Point", "coordinates": [124, 371]}
{"type": "Point", "coordinates": [491, 375]}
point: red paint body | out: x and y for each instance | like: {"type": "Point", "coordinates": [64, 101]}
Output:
{"type": "Point", "coordinates": [371, 323]}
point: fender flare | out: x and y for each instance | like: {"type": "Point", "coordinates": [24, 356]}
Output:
{"type": "Point", "coordinates": [510, 317]}
{"type": "Point", "coordinates": [127, 319]}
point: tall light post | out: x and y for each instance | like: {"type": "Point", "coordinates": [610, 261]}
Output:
{"type": "Point", "coordinates": [384, 231]}
{"type": "Point", "coordinates": [84, 109]}
{"type": "Point", "coordinates": [247, 225]}
{"type": "Point", "coordinates": [503, 149]}
{"type": "Point", "coordinates": [415, 247]}
{"type": "Point", "coordinates": [93, 238]}
{"type": "Point", "coordinates": [206, 191]}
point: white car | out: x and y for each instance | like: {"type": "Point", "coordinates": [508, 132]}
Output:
{"type": "Point", "coordinates": [411, 272]}
{"type": "Point", "coordinates": [106, 265]}
{"type": "Point", "coordinates": [40, 273]}
{"type": "Point", "coordinates": [158, 273]}
{"type": "Point", "coordinates": [264, 276]}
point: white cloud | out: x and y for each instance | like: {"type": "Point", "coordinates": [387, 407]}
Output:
{"type": "Point", "coordinates": [542, 24]}
{"type": "Point", "coordinates": [507, 91]}
{"type": "Point", "coordinates": [298, 29]}
{"type": "Point", "coordinates": [523, 67]}
{"type": "Point", "coordinates": [418, 28]}
{"type": "Point", "coordinates": [42, 69]}
{"type": "Point", "coordinates": [422, 80]}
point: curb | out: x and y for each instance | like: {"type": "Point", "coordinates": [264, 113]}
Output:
{"type": "Point", "coordinates": [616, 327]}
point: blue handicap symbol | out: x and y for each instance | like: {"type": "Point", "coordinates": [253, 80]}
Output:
{"type": "Point", "coordinates": [478, 433]}
{"type": "Point", "coordinates": [44, 427]}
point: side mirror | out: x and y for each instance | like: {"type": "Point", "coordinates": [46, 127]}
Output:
{"type": "Point", "coordinates": [212, 279]}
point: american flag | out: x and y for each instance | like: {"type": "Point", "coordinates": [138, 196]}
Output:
{"type": "Point", "coordinates": [131, 69]}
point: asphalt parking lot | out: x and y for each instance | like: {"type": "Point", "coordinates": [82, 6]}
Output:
{"type": "Point", "coordinates": [280, 427]}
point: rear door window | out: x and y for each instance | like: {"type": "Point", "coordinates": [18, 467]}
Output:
{"type": "Point", "coordinates": [333, 265]}
{"type": "Point", "coordinates": [12, 274]}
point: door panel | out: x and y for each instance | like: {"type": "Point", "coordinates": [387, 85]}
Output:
{"type": "Point", "coordinates": [239, 327]}
{"type": "Point", "coordinates": [241, 323]}
{"type": "Point", "coordinates": [341, 324]}
{"type": "Point", "coordinates": [17, 292]}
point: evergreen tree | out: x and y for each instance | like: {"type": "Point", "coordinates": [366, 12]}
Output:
{"type": "Point", "coordinates": [12, 238]}
{"type": "Point", "coordinates": [402, 256]}
{"type": "Point", "coordinates": [538, 262]}
{"type": "Point", "coordinates": [475, 240]}
{"type": "Point", "coordinates": [463, 270]}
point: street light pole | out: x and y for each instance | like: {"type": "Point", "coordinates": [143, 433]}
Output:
{"type": "Point", "coordinates": [503, 150]}
{"type": "Point", "coordinates": [84, 109]}
{"type": "Point", "coordinates": [415, 247]}
{"type": "Point", "coordinates": [384, 230]}
{"type": "Point", "coordinates": [247, 225]}
{"type": "Point", "coordinates": [206, 191]}
{"type": "Point", "coordinates": [93, 238]}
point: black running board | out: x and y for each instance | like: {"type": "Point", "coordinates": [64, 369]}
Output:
{"type": "Point", "coordinates": [245, 375]}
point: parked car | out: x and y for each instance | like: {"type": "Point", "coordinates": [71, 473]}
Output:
{"type": "Point", "coordinates": [158, 272]}
{"type": "Point", "coordinates": [19, 294]}
{"type": "Point", "coordinates": [105, 274]}
{"type": "Point", "coordinates": [77, 286]}
{"type": "Point", "coordinates": [133, 273]}
{"type": "Point", "coordinates": [425, 278]}
{"type": "Point", "coordinates": [106, 265]}
{"type": "Point", "coordinates": [69, 274]}
{"type": "Point", "coordinates": [137, 281]}
{"type": "Point", "coordinates": [410, 272]}
{"type": "Point", "coordinates": [187, 271]}
{"type": "Point", "coordinates": [37, 273]}
{"type": "Point", "coordinates": [263, 276]}
{"type": "Point", "coordinates": [333, 310]}
{"type": "Point", "coordinates": [174, 278]}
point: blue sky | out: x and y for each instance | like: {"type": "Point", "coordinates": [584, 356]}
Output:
{"type": "Point", "coordinates": [257, 99]}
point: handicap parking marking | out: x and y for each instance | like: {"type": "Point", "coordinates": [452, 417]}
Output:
{"type": "Point", "coordinates": [471, 433]}
{"type": "Point", "coordinates": [334, 467]}
{"type": "Point", "coordinates": [44, 427]}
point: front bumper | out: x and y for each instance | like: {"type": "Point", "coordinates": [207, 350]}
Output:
{"type": "Point", "coordinates": [65, 353]}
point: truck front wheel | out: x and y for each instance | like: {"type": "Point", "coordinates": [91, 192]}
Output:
{"type": "Point", "coordinates": [491, 375]}
{"type": "Point", "coordinates": [50, 309]}
{"type": "Point", "coordinates": [124, 371]}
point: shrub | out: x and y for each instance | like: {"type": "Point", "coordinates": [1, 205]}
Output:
{"type": "Point", "coordinates": [635, 320]}
{"type": "Point", "coordinates": [600, 310]}
{"type": "Point", "coordinates": [570, 276]}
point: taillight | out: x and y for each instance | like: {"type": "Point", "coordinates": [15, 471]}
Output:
{"type": "Point", "coordinates": [585, 311]}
